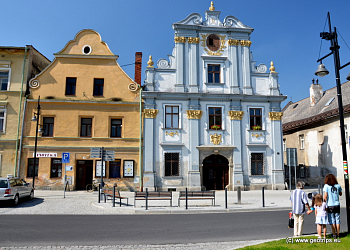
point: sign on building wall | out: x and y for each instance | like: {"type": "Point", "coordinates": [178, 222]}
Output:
{"type": "Point", "coordinates": [54, 155]}
{"type": "Point", "coordinates": [128, 168]}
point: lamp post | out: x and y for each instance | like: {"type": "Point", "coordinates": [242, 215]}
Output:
{"type": "Point", "coordinates": [322, 71]}
{"type": "Point", "coordinates": [36, 119]}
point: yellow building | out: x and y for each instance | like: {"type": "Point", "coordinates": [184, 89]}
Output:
{"type": "Point", "coordinates": [86, 101]}
{"type": "Point", "coordinates": [17, 66]}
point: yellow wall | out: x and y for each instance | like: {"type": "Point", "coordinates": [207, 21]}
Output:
{"type": "Point", "coordinates": [117, 102]}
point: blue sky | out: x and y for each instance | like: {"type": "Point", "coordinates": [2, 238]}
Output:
{"type": "Point", "coordinates": [285, 32]}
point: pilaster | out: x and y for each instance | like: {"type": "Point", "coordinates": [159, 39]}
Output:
{"type": "Point", "coordinates": [179, 45]}
{"type": "Point", "coordinates": [246, 71]}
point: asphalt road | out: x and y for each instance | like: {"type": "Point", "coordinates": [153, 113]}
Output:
{"type": "Point", "coordinates": [69, 230]}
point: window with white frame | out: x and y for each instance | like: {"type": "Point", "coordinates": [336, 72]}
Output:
{"type": "Point", "coordinates": [214, 71]}
{"type": "Point", "coordinates": [172, 164]}
{"type": "Point", "coordinates": [302, 141]}
{"type": "Point", "coordinates": [4, 80]}
{"type": "Point", "coordinates": [257, 163]}
{"type": "Point", "coordinates": [215, 118]}
{"type": "Point", "coordinates": [284, 145]}
{"type": "Point", "coordinates": [2, 121]}
{"type": "Point", "coordinates": [171, 116]}
{"type": "Point", "coordinates": [255, 115]}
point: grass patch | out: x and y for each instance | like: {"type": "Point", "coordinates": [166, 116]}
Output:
{"type": "Point", "coordinates": [310, 242]}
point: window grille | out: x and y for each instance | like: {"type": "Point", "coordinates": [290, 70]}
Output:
{"type": "Point", "coordinates": [172, 163]}
{"type": "Point", "coordinates": [257, 164]}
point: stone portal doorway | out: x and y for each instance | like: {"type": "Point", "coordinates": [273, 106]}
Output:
{"type": "Point", "coordinates": [84, 174]}
{"type": "Point", "coordinates": [215, 172]}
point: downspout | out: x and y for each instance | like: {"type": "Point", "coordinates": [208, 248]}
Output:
{"type": "Point", "coordinates": [140, 149]}
{"type": "Point", "coordinates": [16, 170]}
{"type": "Point", "coordinates": [20, 143]}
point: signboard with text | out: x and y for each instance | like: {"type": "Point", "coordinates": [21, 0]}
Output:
{"type": "Point", "coordinates": [128, 168]}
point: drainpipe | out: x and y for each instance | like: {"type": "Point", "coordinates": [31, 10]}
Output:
{"type": "Point", "coordinates": [16, 170]}
{"type": "Point", "coordinates": [140, 150]}
{"type": "Point", "coordinates": [20, 142]}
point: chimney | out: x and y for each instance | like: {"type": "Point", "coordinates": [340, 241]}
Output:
{"type": "Point", "coordinates": [138, 66]}
{"type": "Point", "coordinates": [316, 92]}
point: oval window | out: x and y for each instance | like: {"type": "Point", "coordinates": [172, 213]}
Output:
{"type": "Point", "coordinates": [86, 49]}
{"type": "Point", "coordinates": [213, 42]}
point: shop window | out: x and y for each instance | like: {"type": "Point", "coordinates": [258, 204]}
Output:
{"type": "Point", "coordinates": [31, 166]}
{"type": "Point", "coordinates": [56, 167]}
{"type": "Point", "coordinates": [86, 126]}
{"type": "Point", "coordinates": [257, 163]}
{"type": "Point", "coordinates": [116, 128]}
{"type": "Point", "coordinates": [48, 124]}
{"type": "Point", "coordinates": [114, 169]}
{"type": "Point", "coordinates": [71, 83]}
{"type": "Point", "coordinates": [172, 164]}
{"type": "Point", "coordinates": [255, 118]}
{"type": "Point", "coordinates": [171, 116]}
{"type": "Point", "coordinates": [215, 118]}
{"type": "Point", "coordinates": [98, 87]}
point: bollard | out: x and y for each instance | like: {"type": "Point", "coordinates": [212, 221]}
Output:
{"type": "Point", "coordinates": [186, 200]}
{"type": "Point", "coordinates": [99, 193]}
{"type": "Point", "coordinates": [239, 195]}
{"type": "Point", "coordinates": [226, 197]}
{"type": "Point", "coordinates": [146, 198]}
{"type": "Point", "coordinates": [114, 196]}
{"type": "Point", "coordinates": [263, 198]}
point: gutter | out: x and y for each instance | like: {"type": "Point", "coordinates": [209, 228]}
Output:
{"type": "Point", "coordinates": [140, 149]}
{"type": "Point", "coordinates": [20, 143]}
{"type": "Point", "coordinates": [16, 170]}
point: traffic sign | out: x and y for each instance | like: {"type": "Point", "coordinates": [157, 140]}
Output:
{"type": "Point", "coordinates": [65, 157]}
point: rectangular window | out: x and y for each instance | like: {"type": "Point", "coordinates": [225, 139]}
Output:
{"type": "Point", "coordinates": [86, 126]}
{"type": "Point", "coordinates": [114, 169]}
{"type": "Point", "coordinates": [2, 121]}
{"type": "Point", "coordinates": [98, 87]}
{"type": "Point", "coordinates": [116, 128]}
{"type": "Point", "coordinates": [172, 164]}
{"type": "Point", "coordinates": [31, 166]}
{"type": "Point", "coordinates": [215, 118]}
{"type": "Point", "coordinates": [48, 123]}
{"type": "Point", "coordinates": [171, 116]}
{"type": "Point", "coordinates": [284, 145]}
{"type": "Point", "coordinates": [302, 141]}
{"type": "Point", "coordinates": [56, 167]}
{"type": "Point", "coordinates": [71, 83]}
{"type": "Point", "coordinates": [257, 163]}
{"type": "Point", "coordinates": [255, 118]}
{"type": "Point", "coordinates": [4, 80]}
{"type": "Point", "coordinates": [213, 73]}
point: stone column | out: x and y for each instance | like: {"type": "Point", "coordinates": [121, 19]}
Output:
{"type": "Point", "coordinates": [246, 71]}
{"type": "Point", "coordinates": [194, 181]}
{"type": "Point", "coordinates": [277, 149]}
{"type": "Point", "coordinates": [193, 64]}
{"type": "Point", "coordinates": [149, 157]}
{"type": "Point", "coordinates": [236, 135]}
{"type": "Point", "coordinates": [179, 45]}
{"type": "Point", "coordinates": [233, 70]}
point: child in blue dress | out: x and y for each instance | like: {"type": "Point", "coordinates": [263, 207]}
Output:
{"type": "Point", "coordinates": [321, 215]}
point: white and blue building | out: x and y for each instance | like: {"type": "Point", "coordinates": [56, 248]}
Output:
{"type": "Point", "coordinates": [212, 117]}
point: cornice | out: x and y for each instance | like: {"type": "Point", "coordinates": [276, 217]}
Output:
{"type": "Point", "coordinates": [115, 57]}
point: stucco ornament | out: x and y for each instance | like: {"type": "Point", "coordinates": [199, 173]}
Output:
{"type": "Point", "coordinates": [171, 133]}
{"type": "Point", "coordinates": [150, 113]}
{"type": "Point", "coordinates": [215, 139]}
{"type": "Point", "coordinates": [194, 114]}
{"type": "Point", "coordinates": [257, 135]}
{"type": "Point", "coordinates": [262, 68]}
{"type": "Point", "coordinates": [133, 87]}
{"type": "Point", "coordinates": [213, 53]}
{"type": "Point", "coordinates": [163, 64]}
{"type": "Point", "coordinates": [34, 84]}
{"type": "Point", "coordinates": [275, 116]}
{"type": "Point", "coordinates": [150, 62]}
{"type": "Point", "coordinates": [236, 115]}
{"type": "Point", "coordinates": [272, 68]}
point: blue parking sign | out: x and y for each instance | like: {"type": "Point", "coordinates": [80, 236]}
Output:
{"type": "Point", "coordinates": [65, 157]}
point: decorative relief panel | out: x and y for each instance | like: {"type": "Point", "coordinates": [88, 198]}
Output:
{"type": "Point", "coordinates": [150, 113]}
{"type": "Point", "coordinates": [215, 139]}
{"type": "Point", "coordinates": [213, 53]}
{"type": "Point", "coordinates": [172, 136]}
{"type": "Point", "coordinates": [275, 116]}
{"type": "Point", "coordinates": [257, 137]}
{"type": "Point", "coordinates": [180, 39]}
{"type": "Point", "coordinates": [194, 114]}
{"type": "Point", "coordinates": [236, 115]}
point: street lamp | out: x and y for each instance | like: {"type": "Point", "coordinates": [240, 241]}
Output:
{"type": "Point", "coordinates": [36, 119]}
{"type": "Point", "coordinates": [322, 71]}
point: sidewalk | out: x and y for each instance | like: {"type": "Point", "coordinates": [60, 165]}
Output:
{"type": "Point", "coordinates": [82, 202]}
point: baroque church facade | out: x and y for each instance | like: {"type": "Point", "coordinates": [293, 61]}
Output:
{"type": "Point", "coordinates": [212, 118]}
